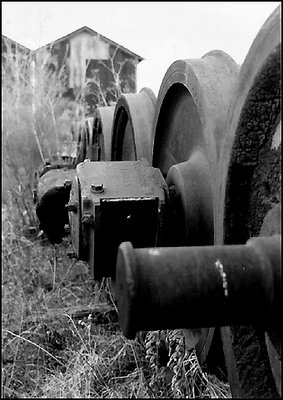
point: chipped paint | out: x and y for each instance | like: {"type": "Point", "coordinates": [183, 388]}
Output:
{"type": "Point", "coordinates": [223, 275]}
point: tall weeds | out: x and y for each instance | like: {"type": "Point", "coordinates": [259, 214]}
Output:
{"type": "Point", "coordinates": [60, 331]}
{"type": "Point", "coordinates": [30, 95]}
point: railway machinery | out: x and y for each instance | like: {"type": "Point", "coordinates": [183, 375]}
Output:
{"type": "Point", "coordinates": [178, 200]}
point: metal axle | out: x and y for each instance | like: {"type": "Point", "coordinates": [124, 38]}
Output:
{"type": "Point", "coordinates": [196, 287]}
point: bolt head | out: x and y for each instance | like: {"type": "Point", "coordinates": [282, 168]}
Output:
{"type": "Point", "coordinates": [67, 183]}
{"type": "Point", "coordinates": [97, 188]}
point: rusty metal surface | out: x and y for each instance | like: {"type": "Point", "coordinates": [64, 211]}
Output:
{"type": "Point", "coordinates": [191, 202]}
{"type": "Point", "coordinates": [191, 109]}
{"type": "Point", "coordinates": [91, 152]}
{"type": "Point", "coordinates": [81, 136]}
{"type": "Point", "coordinates": [228, 198]}
{"type": "Point", "coordinates": [52, 195]}
{"type": "Point", "coordinates": [249, 185]}
{"type": "Point", "coordinates": [48, 166]}
{"type": "Point", "coordinates": [188, 128]}
{"type": "Point", "coordinates": [120, 201]}
{"type": "Point", "coordinates": [74, 209]}
{"type": "Point", "coordinates": [273, 337]}
{"type": "Point", "coordinates": [121, 179]}
{"type": "Point", "coordinates": [212, 285]}
{"type": "Point", "coordinates": [102, 131]}
{"type": "Point", "coordinates": [132, 126]}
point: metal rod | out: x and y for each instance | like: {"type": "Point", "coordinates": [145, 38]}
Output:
{"type": "Point", "coordinates": [191, 287]}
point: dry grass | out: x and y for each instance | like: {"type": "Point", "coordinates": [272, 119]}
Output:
{"type": "Point", "coordinates": [60, 331]}
{"type": "Point", "coordinates": [61, 337]}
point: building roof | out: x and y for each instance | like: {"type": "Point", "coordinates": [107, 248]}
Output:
{"type": "Point", "coordinates": [11, 41]}
{"type": "Point", "coordinates": [92, 32]}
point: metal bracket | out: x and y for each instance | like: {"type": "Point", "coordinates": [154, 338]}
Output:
{"type": "Point", "coordinates": [119, 201]}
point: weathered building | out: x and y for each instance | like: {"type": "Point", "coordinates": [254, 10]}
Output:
{"type": "Point", "coordinates": [10, 46]}
{"type": "Point", "coordinates": [97, 69]}
{"type": "Point", "coordinates": [14, 57]}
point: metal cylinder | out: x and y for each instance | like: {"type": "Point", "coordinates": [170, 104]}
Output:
{"type": "Point", "coordinates": [132, 126]}
{"type": "Point", "coordinates": [101, 138]}
{"type": "Point", "coordinates": [191, 287]}
{"type": "Point", "coordinates": [191, 109]}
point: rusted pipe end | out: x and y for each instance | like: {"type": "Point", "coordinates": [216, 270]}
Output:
{"type": "Point", "coordinates": [211, 285]}
{"type": "Point", "coordinates": [125, 288]}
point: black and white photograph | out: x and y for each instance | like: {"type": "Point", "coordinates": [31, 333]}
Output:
{"type": "Point", "coordinates": [141, 199]}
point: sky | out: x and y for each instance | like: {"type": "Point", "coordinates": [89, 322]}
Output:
{"type": "Point", "coordinates": [160, 32]}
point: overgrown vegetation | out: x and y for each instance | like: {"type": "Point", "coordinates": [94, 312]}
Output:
{"type": "Point", "coordinates": [61, 336]}
{"type": "Point", "coordinates": [60, 331]}
{"type": "Point", "coordinates": [33, 129]}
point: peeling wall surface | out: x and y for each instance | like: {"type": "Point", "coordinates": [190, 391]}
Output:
{"type": "Point", "coordinates": [10, 46]}
{"type": "Point", "coordinates": [14, 57]}
{"type": "Point", "coordinates": [82, 54]}
{"type": "Point", "coordinates": [84, 47]}
{"type": "Point", "coordinates": [89, 63]}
